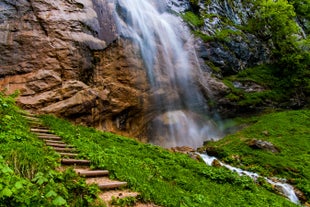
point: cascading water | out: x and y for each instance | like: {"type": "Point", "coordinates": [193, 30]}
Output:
{"type": "Point", "coordinates": [166, 48]}
{"type": "Point", "coordinates": [284, 188]}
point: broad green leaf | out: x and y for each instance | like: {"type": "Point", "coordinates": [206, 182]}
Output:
{"type": "Point", "coordinates": [19, 184]}
{"type": "Point", "coordinates": [6, 192]}
{"type": "Point", "coordinates": [59, 201]}
{"type": "Point", "coordinates": [6, 170]}
{"type": "Point", "coordinates": [51, 193]}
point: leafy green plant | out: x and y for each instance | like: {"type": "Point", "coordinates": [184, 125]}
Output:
{"type": "Point", "coordinates": [127, 201]}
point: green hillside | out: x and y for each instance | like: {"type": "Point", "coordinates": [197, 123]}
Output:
{"type": "Point", "coordinates": [28, 177]}
{"type": "Point", "coordinates": [288, 131]}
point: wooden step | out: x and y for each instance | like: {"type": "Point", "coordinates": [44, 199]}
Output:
{"type": "Point", "coordinates": [62, 149]}
{"type": "Point", "coordinates": [59, 145]}
{"type": "Point", "coordinates": [40, 126]}
{"type": "Point", "coordinates": [37, 125]}
{"type": "Point", "coordinates": [46, 135]}
{"type": "Point", "coordinates": [34, 121]}
{"type": "Point", "coordinates": [74, 162]}
{"type": "Point", "coordinates": [67, 154]}
{"type": "Point", "coordinates": [50, 138]}
{"type": "Point", "coordinates": [108, 196]}
{"type": "Point", "coordinates": [92, 173]}
{"type": "Point", "coordinates": [40, 130]}
{"type": "Point", "coordinates": [30, 117]}
{"type": "Point", "coordinates": [53, 141]}
{"type": "Point", "coordinates": [28, 114]}
{"type": "Point", "coordinates": [112, 185]}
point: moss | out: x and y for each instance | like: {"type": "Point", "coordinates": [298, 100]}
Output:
{"type": "Point", "coordinates": [193, 19]}
{"type": "Point", "coordinates": [204, 37]}
{"type": "Point", "coordinates": [213, 67]}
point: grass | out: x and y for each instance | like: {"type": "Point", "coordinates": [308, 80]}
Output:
{"type": "Point", "coordinates": [163, 177]}
{"type": "Point", "coordinates": [27, 175]}
{"type": "Point", "coordinates": [289, 131]}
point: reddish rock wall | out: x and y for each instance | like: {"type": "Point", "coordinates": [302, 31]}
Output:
{"type": "Point", "coordinates": [62, 59]}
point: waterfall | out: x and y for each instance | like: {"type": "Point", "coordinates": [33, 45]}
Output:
{"type": "Point", "coordinates": [167, 49]}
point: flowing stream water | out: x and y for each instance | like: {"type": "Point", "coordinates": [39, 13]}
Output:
{"type": "Point", "coordinates": [167, 49]}
{"type": "Point", "coordinates": [284, 188]}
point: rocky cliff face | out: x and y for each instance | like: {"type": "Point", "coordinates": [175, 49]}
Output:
{"type": "Point", "coordinates": [233, 49]}
{"type": "Point", "coordinates": [64, 58]}
{"type": "Point", "coordinates": [50, 35]}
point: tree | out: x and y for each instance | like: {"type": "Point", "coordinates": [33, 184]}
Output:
{"type": "Point", "coordinates": [275, 21]}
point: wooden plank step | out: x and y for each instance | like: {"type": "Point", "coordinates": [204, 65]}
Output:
{"type": "Point", "coordinates": [33, 120]}
{"type": "Point", "coordinates": [112, 185]}
{"type": "Point", "coordinates": [53, 141]}
{"type": "Point", "coordinates": [30, 117]}
{"type": "Point", "coordinates": [108, 196]}
{"type": "Point", "coordinates": [34, 123]}
{"type": "Point", "coordinates": [40, 130]}
{"type": "Point", "coordinates": [92, 173]}
{"type": "Point", "coordinates": [50, 137]}
{"type": "Point", "coordinates": [46, 135]}
{"type": "Point", "coordinates": [62, 149]}
{"type": "Point", "coordinates": [68, 154]}
{"type": "Point", "coordinates": [59, 145]}
{"type": "Point", "coordinates": [75, 161]}
{"type": "Point", "coordinates": [40, 126]}
{"type": "Point", "coordinates": [28, 114]}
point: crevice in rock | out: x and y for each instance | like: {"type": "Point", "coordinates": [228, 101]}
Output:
{"type": "Point", "coordinates": [40, 20]}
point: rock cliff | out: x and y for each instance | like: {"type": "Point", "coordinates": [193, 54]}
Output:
{"type": "Point", "coordinates": [64, 58]}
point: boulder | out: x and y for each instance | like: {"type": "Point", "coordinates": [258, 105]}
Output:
{"type": "Point", "coordinates": [183, 149]}
{"type": "Point", "coordinates": [264, 145]}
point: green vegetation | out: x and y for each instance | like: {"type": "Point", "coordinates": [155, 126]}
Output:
{"type": "Point", "coordinates": [193, 19]}
{"type": "Point", "coordinates": [168, 179]}
{"type": "Point", "coordinates": [275, 21]}
{"type": "Point", "coordinates": [264, 75]}
{"type": "Point", "coordinates": [27, 175]}
{"type": "Point", "coordinates": [288, 131]}
{"type": "Point", "coordinates": [302, 10]}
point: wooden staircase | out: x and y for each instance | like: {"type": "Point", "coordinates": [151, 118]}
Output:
{"type": "Point", "coordinates": [110, 188]}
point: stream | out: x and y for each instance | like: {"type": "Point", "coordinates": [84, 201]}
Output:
{"type": "Point", "coordinates": [286, 189]}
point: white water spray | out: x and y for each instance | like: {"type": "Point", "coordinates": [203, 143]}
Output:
{"type": "Point", "coordinates": [168, 53]}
